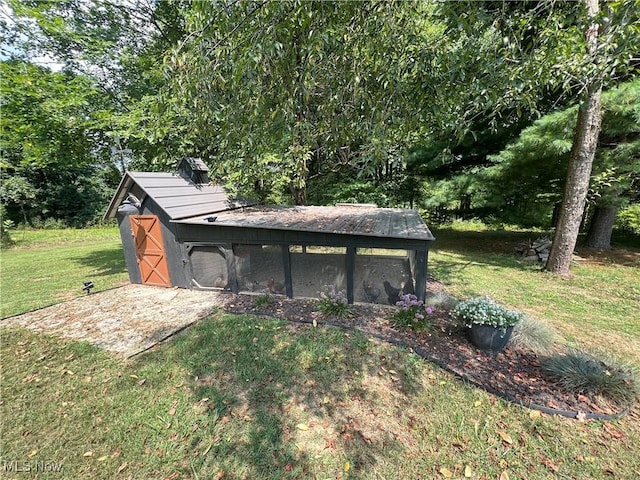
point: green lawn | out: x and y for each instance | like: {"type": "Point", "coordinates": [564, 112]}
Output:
{"type": "Point", "coordinates": [49, 266]}
{"type": "Point", "coordinates": [598, 308]}
{"type": "Point", "coordinates": [239, 397]}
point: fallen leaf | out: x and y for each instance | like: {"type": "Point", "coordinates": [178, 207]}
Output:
{"type": "Point", "coordinates": [141, 382]}
{"type": "Point", "coordinates": [302, 426]}
{"type": "Point", "coordinates": [122, 467]}
{"type": "Point", "coordinates": [549, 463]}
{"type": "Point", "coordinates": [87, 454]}
{"type": "Point", "coordinates": [445, 472]}
{"type": "Point", "coordinates": [468, 473]}
{"type": "Point", "coordinates": [102, 458]}
{"type": "Point", "coordinates": [220, 475]}
{"type": "Point", "coordinates": [172, 410]}
{"type": "Point", "coordinates": [504, 476]}
{"type": "Point", "coordinates": [32, 453]}
{"type": "Point", "coordinates": [477, 403]}
{"type": "Point", "coordinates": [533, 414]}
{"type": "Point", "coordinates": [347, 466]}
{"type": "Point", "coordinates": [581, 416]}
{"type": "Point", "coordinates": [505, 437]}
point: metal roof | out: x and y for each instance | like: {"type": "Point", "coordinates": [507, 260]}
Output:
{"type": "Point", "coordinates": [177, 196]}
{"type": "Point", "coordinates": [344, 219]}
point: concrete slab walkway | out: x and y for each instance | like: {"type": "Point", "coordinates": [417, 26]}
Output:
{"type": "Point", "coordinates": [125, 320]}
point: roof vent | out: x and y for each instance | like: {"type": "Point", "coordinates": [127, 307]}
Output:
{"type": "Point", "coordinates": [194, 169]}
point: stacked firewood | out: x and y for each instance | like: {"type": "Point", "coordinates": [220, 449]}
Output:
{"type": "Point", "coordinates": [535, 251]}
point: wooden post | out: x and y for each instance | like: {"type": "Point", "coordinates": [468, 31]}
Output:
{"type": "Point", "coordinates": [286, 265]}
{"type": "Point", "coordinates": [421, 272]}
{"type": "Point", "coordinates": [350, 266]}
{"type": "Point", "coordinates": [232, 277]}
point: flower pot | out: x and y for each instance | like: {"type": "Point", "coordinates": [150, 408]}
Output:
{"type": "Point", "coordinates": [486, 337]}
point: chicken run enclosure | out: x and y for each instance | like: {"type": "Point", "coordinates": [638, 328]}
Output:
{"type": "Point", "coordinates": [178, 230]}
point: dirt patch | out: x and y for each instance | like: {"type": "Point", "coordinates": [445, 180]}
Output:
{"type": "Point", "coordinates": [125, 320]}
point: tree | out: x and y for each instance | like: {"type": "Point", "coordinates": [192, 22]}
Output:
{"type": "Point", "coordinates": [581, 159]}
{"type": "Point", "coordinates": [51, 146]}
{"type": "Point", "coordinates": [525, 182]}
{"type": "Point", "coordinates": [309, 85]}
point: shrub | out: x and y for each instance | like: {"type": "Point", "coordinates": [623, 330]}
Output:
{"type": "Point", "coordinates": [6, 225]}
{"type": "Point", "coordinates": [441, 300]}
{"type": "Point", "coordinates": [413, 314]}
{"type": "Point", "coordinates": [334, 302]}
{"type": "Point", "coordinates": [263, 300]}
{"type": "Point", "coordinates": [484, 311]}
{"type": "Point", "coordinates": [581, 372]}
{"type": "Point", "coordinates": [629, 219]}
{"type": "Point", "coordinates": [531, 334]}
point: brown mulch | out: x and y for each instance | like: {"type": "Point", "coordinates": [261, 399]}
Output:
{"type": "Point", "coordinates": [513, 373]}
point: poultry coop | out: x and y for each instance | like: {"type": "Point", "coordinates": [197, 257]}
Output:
{"type": "Point", "coordinates": [314, 269]}
{"type": "Point", "coordinates": [178, 230]}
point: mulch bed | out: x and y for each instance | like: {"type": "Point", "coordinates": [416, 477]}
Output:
{"type": "Point", "coordinates": [513, 373]}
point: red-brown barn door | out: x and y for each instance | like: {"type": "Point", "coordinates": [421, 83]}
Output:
{"type": "Point", "coordinates": [147, 234]}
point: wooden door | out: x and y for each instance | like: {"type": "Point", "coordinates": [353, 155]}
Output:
{"type": "Point", "coordinates": [152, 261]}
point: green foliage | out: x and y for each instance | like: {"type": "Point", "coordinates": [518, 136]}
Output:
{"type": "Point", "coordinates": [526, 178]}
{"type": "Point", "coordinates": [263, 300]}
{"type": "Point", "coordinates": [485, 311]}
{"type": "Point", "coordinates": [333, 302]}
{"type": "Point", "coordinates": [581, 372]}
{"type": "Point", "coordinates": [629, 219]}
{"type": "Point", "coordinates": [412, 313]}
{"type": "Point", "coordinates": [51, 148]}
{"type": "Point", "coordinates": [6, 226]}
{"type": "Point", "coordinates": [306, 80]}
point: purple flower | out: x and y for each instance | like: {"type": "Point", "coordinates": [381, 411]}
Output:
{"type": "Point", "coordinates": [429, 310]}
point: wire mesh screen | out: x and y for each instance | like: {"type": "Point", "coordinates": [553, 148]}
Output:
{"type": "Point", "coordinates": [314, 269]}
{"type": "Point", "coordinates": [382, 275]}
{"type": "Point", "coordinates": [259, 268]}
{"type": "Point", "coordinates": [209, 267]}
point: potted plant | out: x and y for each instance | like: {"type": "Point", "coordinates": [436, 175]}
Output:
{"type": "Point", "coordinates": [490, 325]}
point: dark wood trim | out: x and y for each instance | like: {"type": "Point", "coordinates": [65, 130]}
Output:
{"type": "Point", "coordinates": [350, 266]}
{"type": "Point", "coordinates": [286, 265]}
{"type": "Point", "coordinates": [232, 279]}
{"type": "Point", "coordinates": [259, 236]}
{"type": "Point", "coordinates": [421, 273]}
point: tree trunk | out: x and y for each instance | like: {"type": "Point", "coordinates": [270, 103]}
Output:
{"type": "Point", "coordinates": [299, 195]}
{"type": "Point", "coordinates": [583, 151]}
{"type": "Point", "coordinates": [601, 227]}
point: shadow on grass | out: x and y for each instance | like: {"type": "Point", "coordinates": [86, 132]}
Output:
{"type": "Point", "coordinates": [283, 401]}
{"type": "Point", "coordinates": [109, 261]}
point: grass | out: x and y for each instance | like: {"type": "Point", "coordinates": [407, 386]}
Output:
{"type": "Point", "coordinates": [49, 266]}
{"type": "Point", "coordinates": [597, 307]}
{"type": "Point", "coordinates": [238, 397]}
